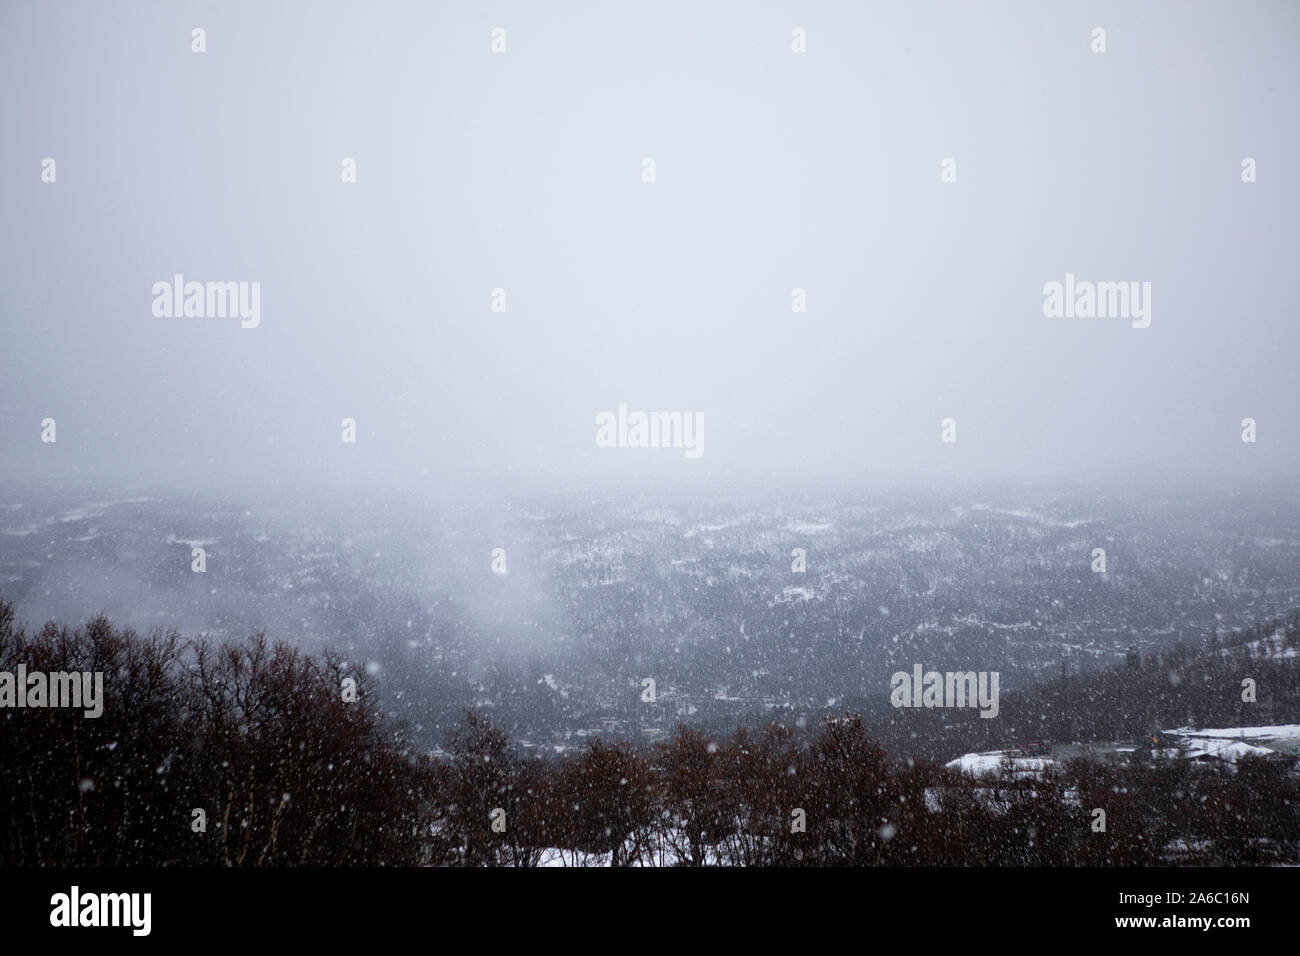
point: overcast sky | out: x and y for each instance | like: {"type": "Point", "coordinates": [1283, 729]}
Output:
{"type": "Point", "coordinates": [523, 170]}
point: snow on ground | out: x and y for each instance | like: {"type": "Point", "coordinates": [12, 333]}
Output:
{"type": "Point", "coordinates": [992, 762]}
{"type": "Point", "coordinates": [808, 527]}
{"type": "Point", "coordinates": [1281, 738]}
{"type": "Point", "coordinates": [1231, 751]}
{"type": "Point", "coordinates": [554, 856]}
{"type": "Point", "coordinates": [793, 594]}
{"type": "Point", "coordinates": [1276, 731]}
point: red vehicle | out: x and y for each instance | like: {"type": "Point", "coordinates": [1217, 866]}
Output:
{"type": "Point", "coordinates": [1037, 748]}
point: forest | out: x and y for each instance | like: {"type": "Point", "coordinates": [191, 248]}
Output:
{"type": "Point", "coordinates": [246, 754]}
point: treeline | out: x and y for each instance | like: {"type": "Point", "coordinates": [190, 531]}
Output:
{"type": "Point", "coordinates": [255, 736]}
{"type": "Point", "coordinates": [250, 755]}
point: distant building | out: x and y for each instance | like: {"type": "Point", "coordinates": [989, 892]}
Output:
{"type": "Point", "coordinates": [1231, 744]}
